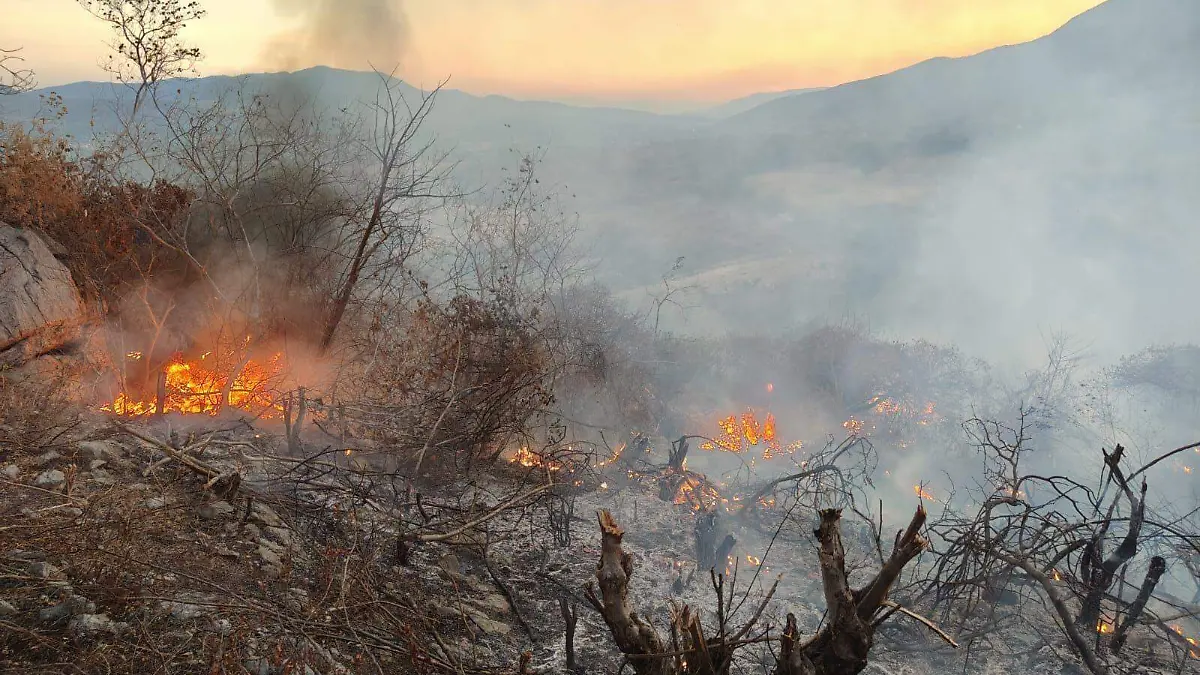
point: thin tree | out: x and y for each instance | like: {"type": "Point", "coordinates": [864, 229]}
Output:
{"type": "Point", "coordinates": [407, 172]}
{"type": "Point", "coordinates": [147, 48]}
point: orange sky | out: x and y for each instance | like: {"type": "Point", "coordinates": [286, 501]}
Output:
{"type": "Point", "coordinates": [682, 50]}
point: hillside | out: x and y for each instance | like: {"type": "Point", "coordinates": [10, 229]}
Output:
{"type": "Point", "coordinates": [910, 193]}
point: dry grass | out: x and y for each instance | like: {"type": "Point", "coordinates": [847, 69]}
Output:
{"type": "Point", "coordinates": [187, 593]}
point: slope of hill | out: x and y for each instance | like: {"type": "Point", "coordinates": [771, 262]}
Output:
{"type": "Point", "coordinates": [741, 105]}
{"type": "Point", "coordinates": [945, 198]}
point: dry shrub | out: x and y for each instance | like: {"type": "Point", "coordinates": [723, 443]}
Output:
{"type": "Point", "coordinates": [454, 379]}
{"type": "Point", "coordinates": [37, 414]}
{"type": "Point", "coordinates": [106, 230]}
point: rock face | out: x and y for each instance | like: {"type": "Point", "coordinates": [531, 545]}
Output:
{"type": "Point", "coordinates": [40, 308]}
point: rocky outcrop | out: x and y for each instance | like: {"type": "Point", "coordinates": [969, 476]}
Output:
{"type": "Point", "coordinates": [41, 311]}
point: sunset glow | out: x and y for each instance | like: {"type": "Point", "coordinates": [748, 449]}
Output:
{"type": "Point", "coordinates": [700, 50]}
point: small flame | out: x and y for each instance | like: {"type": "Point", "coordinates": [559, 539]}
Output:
{"type": "Point", "coordinates": [1104, 627]}
{"type": "Point", "coordinates": [528, 458]}
{"type": "Point", "coordinates": [136, 356]}
{"type": "Point", "coordinates": [753, 560]}
{"type": "Point", "coordinates": [1055, 575]}
{"type": "Point", "coordinates": [770, 387]}
{"type": "Point", "coordinates": [923, 493]}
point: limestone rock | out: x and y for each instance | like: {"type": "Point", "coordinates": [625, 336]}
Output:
{"type": "Point", "coordinates": [90, 624]}
{"type": "Point", "coordinates": [40, 308]}
{"type": "Point", "coordinates": [216, 510]}
{"type": "Point", "coordinates": [107, 450]}
{"type": "Point", "coordinates": [51, 478]}
{"type": "Point", "coordinates": [264, 516]}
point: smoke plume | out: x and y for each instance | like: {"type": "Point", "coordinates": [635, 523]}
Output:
{"type": "Point", "coordinates": [352, 34]}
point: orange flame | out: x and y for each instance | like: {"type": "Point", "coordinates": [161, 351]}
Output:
{"type": "Point", "coordinates": [922, 493]}
{"type": "Point", "coordinates": [528, 458]}
{"type": "Point", "coordinates": [192, 387]}
{"type": "Point", "coordinates": [740, 433]}
{"type": "Point", "coordinates": [753, 560]}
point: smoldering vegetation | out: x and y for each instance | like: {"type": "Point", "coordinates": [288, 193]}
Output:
{"type": "Point", "coordinates": [431, 348]}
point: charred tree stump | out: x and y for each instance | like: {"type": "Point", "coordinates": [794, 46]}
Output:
{"type": "Point", "coordinates": [677, 455]}
{"type": "Point", "coordinates": [691, 652]}
{"type": "Point", "coordinates": [711, 553]}
{"type": "Point", "coordinates": [842, 646]}
{"type": "Point", "coordinates": [635, 637]}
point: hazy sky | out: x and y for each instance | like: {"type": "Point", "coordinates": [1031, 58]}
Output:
{"type": "Point", "coordinates": [616, 50]}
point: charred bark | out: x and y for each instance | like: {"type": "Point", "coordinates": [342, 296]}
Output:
{"type": "Point", "coordinates": [677, 455]}
{"type": "Point", "coordinates": [1098, 572]}
{"type": "Point", "coordinates": [711, 553]}
{"type": "Point", "coordinates": [635, 637]}
{"type": "Point", "coordinates": [570, 617]}
{"type": "Point", "coordinates": [841, 648]}
{"type": "Point", "coordinates": [1158, 566]}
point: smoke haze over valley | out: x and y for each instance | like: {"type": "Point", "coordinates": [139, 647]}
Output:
{"type": "Point", "coordinates": [983, 201]}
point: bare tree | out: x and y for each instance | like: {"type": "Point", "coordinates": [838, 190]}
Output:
{"type": "Point", "coordinates": [408, 170]}
{"type": "Point", "coordinates": [1060, 537]}
{"type": "Point", "coordinates": [14, 78]}
{"type": "Point", "coordinates": [147, 48]}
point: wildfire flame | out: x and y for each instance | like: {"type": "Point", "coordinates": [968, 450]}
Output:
{"type": "Point", "coordinates": [923, 493]}
{"type": "Point", "coordinates": [194, 387]}
{"type": "Point", "coordinates": [1055, 575]}
{"type": "Point", "coordinates": [695, 491]}
{"type": "Point", "coordinates": [1103, 626]}
{"type": "Point", "coordinates": [1190, 640]}
{"type": "Point", "coordinates": [528, 458]}
{"type": "Point", "coordinates": [753, 560]}
{"type": "Point", "coordinates": [741, 433]}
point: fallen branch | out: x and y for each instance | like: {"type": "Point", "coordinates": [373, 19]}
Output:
{"type": "Point", "coordinates": [897, 607]}
{"type": "Point", "coordinates": [495, 511]}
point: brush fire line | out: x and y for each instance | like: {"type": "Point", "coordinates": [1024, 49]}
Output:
{"type": "Point", "coordinates": [201, 386]}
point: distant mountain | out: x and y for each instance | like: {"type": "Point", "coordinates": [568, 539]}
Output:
{"type": "Point", "coordinates": [1113, 50]}
{"type": "Point", "coordinates": [741, 105]}
{"type": "Point", "coordinates": [981, 199]}
{"type": "Point", "coordinates": [479, 127]}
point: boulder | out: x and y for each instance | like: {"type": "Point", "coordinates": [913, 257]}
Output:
{"type": "Point", "coordinates": [41, 311]}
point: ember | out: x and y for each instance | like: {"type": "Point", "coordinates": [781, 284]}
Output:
{"type": "Point", "coordinates": [923, 493]}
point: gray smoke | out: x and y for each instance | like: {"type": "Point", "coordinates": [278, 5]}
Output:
{"type": "Point", "coordinates": [351, 34]}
